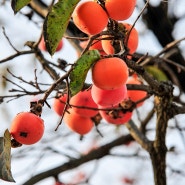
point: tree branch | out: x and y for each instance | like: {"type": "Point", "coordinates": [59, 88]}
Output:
{"type": "Point", "coordinates": [95, 154]}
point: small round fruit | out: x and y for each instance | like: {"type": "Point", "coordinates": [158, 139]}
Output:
{"type": "Point", "coordinates": [77, 123]}
{"type": "Point", "coordinates": [27, 128]}
{"type": "Point", "coordinates": [108, 97]}
{"type": "Point", "coordinates": [109, 73]}
{"type": "Point", "coordinates": [120, 9]}
{"type": "Point", "coordinates": [90, 17]}
{"type": "Point", "coordinates": [59, 104]}
{"type": "Point", "coordinates": [115, 116]}
{"type": "Point", "coordinates": [131, 40]}
{"type": "Point", "coordinates": [96, 44]}
{"type": "Point", "coordinates": [135, 95]}
{"type": "Point", "coordinates": [84, 99]}
{"type": "Point", "coordinates": [42, 45]}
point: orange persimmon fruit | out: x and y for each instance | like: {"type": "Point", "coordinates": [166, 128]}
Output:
{"type": "Point", "coordinates": [27, 128]}
{"type": "Point", "coordinates": [120, 9]}
{"type": "Point", "coordinates": [109, 73]}
{"type": "Point", "coordinates": [90, 17]}
{"type": "Point", "coordinates": [77, 123]}
{"type": "Point", "coordinates": [108, 97]}
{"type": "Point", "coordinates": [59, 104]}
{"type": "Point", "coordinates": [135, 95]}
{"type": "Point", "coordinates": [115, 116]}
{"type": "Point", "coordinates": [130, 40]}
{"type": "Point", "coordinates": [81, 100]}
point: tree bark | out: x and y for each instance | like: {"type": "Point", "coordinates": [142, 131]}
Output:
{"type": "Point", "coordinates": [158, 150]}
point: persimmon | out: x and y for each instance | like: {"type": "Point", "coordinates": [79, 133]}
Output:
{"type": "Point", "coordinates": [109, 73]}
{"type": "Point", "coordinates": [59, 104]}
{"type": "Point", "coordinates": [115, 116]}
{"type": "Point", "coordinates": [96, 44]}
{"type": "Point", "coordinates": [81, 100]}
{"type": "Point", "coordinates": [42, 45]}
{"type": "Point", "coordinates": [77, 123]}
{"type": "Point", "coordinates": [130, 40]}
{"type": "Point", "coordinates": [120, 9]}
{"type": "Point", "coordinates": [90, 17]}
{"type": "Point", "coordinates": [135, 95]}
{"type": "Point", "coordinates": [108, 97]}
{"type": "Point", "coordinates": [27, 128]}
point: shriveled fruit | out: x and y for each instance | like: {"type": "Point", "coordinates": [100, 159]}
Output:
{"type": "Point", "coordinates": [27, 128]}
{"type": "Point", "coordinates": [115, 116]}
{"type": "Point", "coordinates": [84, 99]}
{"type": "Point", "coordinates": [109, 73]}
{"type": "Point", "coordinates": [77, 123]}
{"type": "Point", "coordinates": [90, 17]}
{"type": "Point", "coordinates": [120, 9]}
{"type": "Point", "coordinates": [59, 104]}
{"type": "Point", "coordinates": [130, 40]}
{"type": "Point", "coordinates": [42, 45]}
{"type": "Point", "coordinates": [135, 95]}
{"type": "Point", "coordinates": [108, 97]}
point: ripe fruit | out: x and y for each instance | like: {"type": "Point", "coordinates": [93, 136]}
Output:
{"type": "Point", "coordinates": [95, 45]}
{"type": "Point", "coordinates": [131, 44]}
{"type": "Point", "coordinates": [84, 99]}
{"type": "Point", "coordinates": [27, 128]}
{"type": "Point", "coordinates": [42, 45]}
{"type": "Point", "coordinates": [77, 123]}
{"type": "Point", "coordinates": [116, 116]}
{"type": "Point", "coordinates": [135, 95]}
{"type": "Point", "coordinates": [120, 9]}
{"type": "Point", "coordinates": [108, 97]}
{"type": "Point", "coordinates": [59, 104]}
{"type": "Point", "coordinates": [109, 73]}
{"type": "Point", "coordinates": [133, 38]}
{"type": "Point", "coordinates": [90, 17]}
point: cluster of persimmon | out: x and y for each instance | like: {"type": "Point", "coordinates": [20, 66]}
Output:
{"type": "Point", "coordinates": [110, 75]}
{"type": "Point", "coordinates": [109, 90]}
{"type": "Point", "coordinates": [92, 18]}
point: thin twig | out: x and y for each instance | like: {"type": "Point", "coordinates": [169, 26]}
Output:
{"type": "Point", "coordinates": [138, 17]}
{"type": "Point", "coordinates": [4, 32]}
{"type": "Point", "coordinates": [20, 53]}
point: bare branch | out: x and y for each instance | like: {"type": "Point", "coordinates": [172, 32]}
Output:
{"type": "Point", "coordinates": [93, 155]}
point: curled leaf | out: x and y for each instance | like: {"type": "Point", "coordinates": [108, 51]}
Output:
{"type": "Point", "coordinates": [5, 157]}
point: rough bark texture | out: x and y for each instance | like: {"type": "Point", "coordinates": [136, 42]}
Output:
{"type": "Point", "coordinates": [158, 150]}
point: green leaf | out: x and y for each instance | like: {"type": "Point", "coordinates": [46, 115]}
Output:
{"type": "Point", "coordinates": [56, 23]}
{"type": "Point", "coordinates": [156, 73]}
{"type": "Point", "coordinates": [79, 72]}
{"type": "Point", "coordinates": [5, 157]}
{"type": "Point", "coordinates": [18, 4]}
